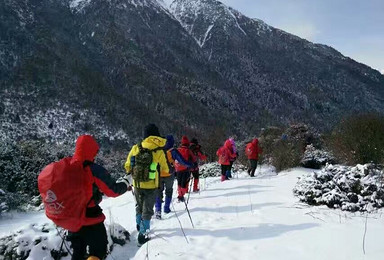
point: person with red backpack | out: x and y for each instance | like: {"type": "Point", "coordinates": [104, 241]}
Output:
{"type": "Point", "coordinates": [252, 150]}
{"type": "Point", "coordinates": [72, 190]}
{"type": "Point", "coordinates": [225, 154]}
{"type": "Point", "coordinates": [183, 173]}
{"type": "Point", "coordinates": [146, 176]}
{"type": "Point", "coordinates": [166, 181]}
{"type": "Point", "coordinates": [199, 156]}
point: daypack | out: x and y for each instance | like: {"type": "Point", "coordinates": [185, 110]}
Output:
{"type": "Point", "coordinates": [144, 169]}
{"type": "Point", "coordinates": [248, 149]}
{"type": "Point", "coordinates": [66, 190]}
{"type": "Point", "coordinates": [171, 161]}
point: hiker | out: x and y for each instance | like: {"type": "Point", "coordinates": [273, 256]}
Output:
{"type": "Point", "coordinates": [166, 181]}
{"type": "Point", "coordinates": [146, 175]}
{"type": "Point", "coordinates": [77, 190]}
{"type": "Point", "coordinates": [233, 151]}
{"type": "Point", "coordinates": [183, 173]}
{"type": "Point", "coordinates": [199, 156]}
{"type": "Point", "coordinates": [225, 155]}
{"type": "Point", "coordinates": [252, 150]}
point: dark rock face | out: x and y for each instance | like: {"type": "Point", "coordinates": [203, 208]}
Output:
{"type": "Point", "coordinates": [200, 67]}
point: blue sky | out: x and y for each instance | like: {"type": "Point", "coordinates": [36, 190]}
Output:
{"type": "Point", "coordinates": [353, 27]}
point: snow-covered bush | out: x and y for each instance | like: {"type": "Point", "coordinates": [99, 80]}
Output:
{"type": "Point", "coordinates": [315, 158]}
{"type": "Point", "coordinates": [44, 242]}
{"type": "Point", "coordinates": [359, 188]}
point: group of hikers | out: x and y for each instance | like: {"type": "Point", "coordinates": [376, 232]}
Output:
{"type": "Point", "coordinates": [72, 188]}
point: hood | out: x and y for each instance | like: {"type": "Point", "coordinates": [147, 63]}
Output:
{"type": "Point", "coordinates": [170, 142]}
{"type": "Point", "coordinates": [184, 140]}
{"type": "Point", "coordinates": [255, 141]}
{"type": "Point", "coordinates": [153, 142]}
{"type": "Point", "coordinates": [228, 144]}
{"type": "Point", "coordinates": [86, 149]}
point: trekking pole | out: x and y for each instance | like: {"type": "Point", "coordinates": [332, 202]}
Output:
{"type": "Point", "coordinates": [133, 193]}
{"type": "Point", "coordinates": [190, 187]}
{"type": "Point", "coordinates": [189, 214]}
{"type": "Point", "coordinates": [181, 226]}
{"type": "Point", "coordinates": [60, 250]}
{"type": "Point", "coordinates": [63, 243]}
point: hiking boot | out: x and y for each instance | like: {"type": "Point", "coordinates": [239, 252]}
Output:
{"type": "Point", "coordinates": [158, 214]}
{"type": "Point", "coordinates": [180, 199]}
{"type": "Point", "coordinates": [142, 239]}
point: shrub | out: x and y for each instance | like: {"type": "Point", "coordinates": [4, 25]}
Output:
{"type": "Point", "coordinates": [286, 154]}
{"type": "Point", "coordinates": [359, 139]}
{"type": "Point", "coordinates": [284, 148]}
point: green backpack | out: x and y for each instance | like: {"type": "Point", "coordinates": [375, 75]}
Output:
{"type": "Point", "coordinates": [144, 169]}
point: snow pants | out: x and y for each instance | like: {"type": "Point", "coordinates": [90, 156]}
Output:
{"type": "Point", "coordinates": [166, 183]}
{"type": "Point", "coordinates": [195, 174]}
{"type": "Point", "coordinates": [145, 201]}
{"type": "Point", "coordinates": [252, 168]}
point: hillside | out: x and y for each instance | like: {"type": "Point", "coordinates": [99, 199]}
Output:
{"type": "Point", "coordinates": [109, 67]}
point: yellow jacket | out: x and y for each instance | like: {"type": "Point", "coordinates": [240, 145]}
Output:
{"type": "Point", "coordinates": [151, 143]}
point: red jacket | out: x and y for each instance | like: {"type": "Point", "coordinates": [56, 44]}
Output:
{"type": "Point", "coordinates": [252, 150]}
{"type": "Point", "coordinates": [99, 179]}
{"type": "Point", "coordinates": [225, 153]}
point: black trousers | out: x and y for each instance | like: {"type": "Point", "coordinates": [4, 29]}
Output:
{"type": "Point", "coordinates": [183, 178]}
{"type": "Point", "coordinates": [252, 169]}
{"type": "Point", "coordinates": [225, 168]}
{"type": "Point", "coordinates": [195, 174]}
{"type": "Point", "coordinates": [94, 236]}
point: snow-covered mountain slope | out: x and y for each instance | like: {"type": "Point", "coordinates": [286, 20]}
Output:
{"type": "Point", "coordinates": [247, 218]}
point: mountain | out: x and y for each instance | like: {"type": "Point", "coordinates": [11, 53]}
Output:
{"type": "Point", "coordinates": [280, 77]}
{"type": "Point", "coordinates": [199, 67]}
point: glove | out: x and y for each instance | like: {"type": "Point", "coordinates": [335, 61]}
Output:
{"type": "Point", "coordinates": [125, 179]}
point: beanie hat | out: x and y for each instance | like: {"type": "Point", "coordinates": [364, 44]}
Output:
{"type": "Point", "coordinates": [151, 129]}
{"type": "Point", "coordinates": [184, 140]}
{"type": "Point", "coordinates": [194, 141]}
{"type": "Point", "coordinates": [170, 142]}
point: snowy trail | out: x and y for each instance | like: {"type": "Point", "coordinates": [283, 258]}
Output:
{"type": "Point", "coordinates": [248, 218]}
{"type": "Point", "coordinates": [244, 218]}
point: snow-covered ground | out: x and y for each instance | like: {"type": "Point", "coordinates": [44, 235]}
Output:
{"type": "Point", "coordinates": [244, 218]}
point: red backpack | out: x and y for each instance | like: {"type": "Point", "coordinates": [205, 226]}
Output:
{"type": "Point", "coordinates": [248, 149]}
{"type": "Point", "coordinates": [66, 189]}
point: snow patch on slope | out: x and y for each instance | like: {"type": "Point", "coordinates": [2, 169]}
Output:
{"type": "Point", "coordinates": [201, 43]}
{"type": "Point", "coordinates": [235, 18]}
{"type": "Point", "coordinates": [78, 5]}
